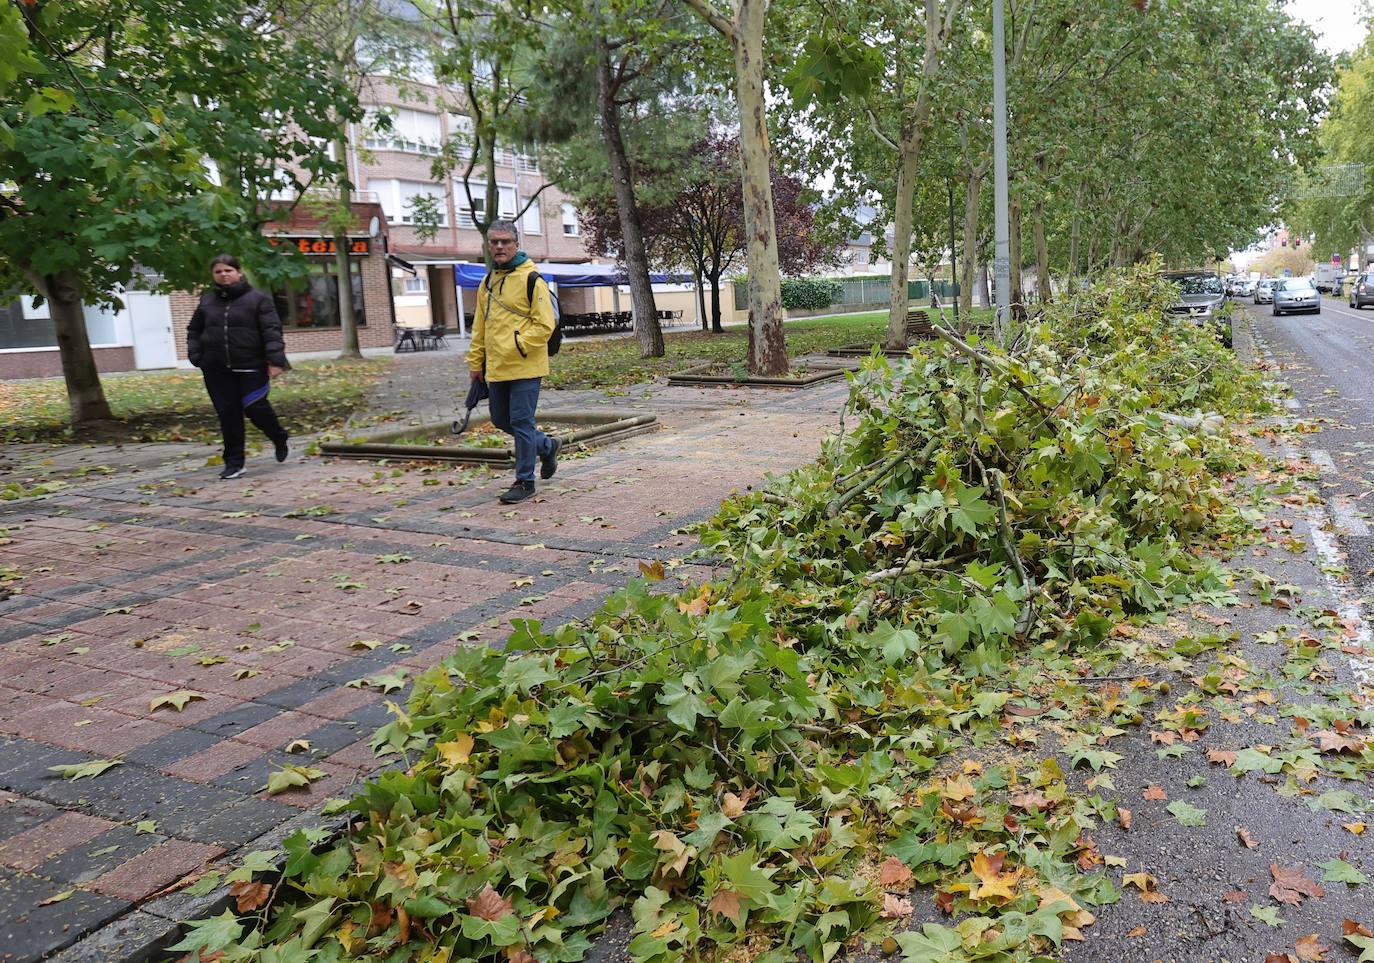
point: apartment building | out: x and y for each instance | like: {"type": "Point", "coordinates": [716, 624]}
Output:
{"type": "Point", "coordinates": [394, 167]}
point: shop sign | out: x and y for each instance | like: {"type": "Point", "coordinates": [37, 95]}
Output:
{"type": "Point", "coordinates": [357, 246]}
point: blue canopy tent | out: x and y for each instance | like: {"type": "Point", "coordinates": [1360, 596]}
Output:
{"type": "Point", "coordinates": [469, 276]}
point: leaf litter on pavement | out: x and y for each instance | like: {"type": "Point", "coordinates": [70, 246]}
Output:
{"type": "Point", "coordinates": [937, 646]}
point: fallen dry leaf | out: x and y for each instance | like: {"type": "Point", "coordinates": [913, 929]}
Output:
{"type": "Point", "coordinates": [1154, 793]}
{"type": "Point", "coordinates": [1310, 948]}
{"type": "Point", "coordinates": [1136, 931]}
{"type": "Point", "coordinates": [895, 907]}
{"type": "Point", "coordinates": [1351, 928]}
{"type": "Point", "coordinates": [489, 905]}
{"type": "Point", "coordinates": [1235, 896]}
{"type": "Point", "coordinates": [995, 884]}
{"type": "Point", "coordinates": [893, 873]}
{"type": "Point", "coordinates": [249, 896]}
{"type": "Point", "coordinates": [957, 790]}
{"type": "Point", "coordinates": [1248, 841]}
{"type": "Point", "coordinates": [1356, 828]}
{"type": "Point", "coordinates": [1123, 816]}
{"type": "Point", "coordinates": [1329, 741]}
{"type": "Point", "coordinates": [1222, 757]}
{"type": "Point", "coordinates": [1290, 885]}
{"type": "Point", "coordinates": [726, 903]}
{"type": "Point", "coordinates": [1031, 802]}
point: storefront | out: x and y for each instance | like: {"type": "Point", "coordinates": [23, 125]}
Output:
{"type": "Point", "coordinates": [309, 308]}
{"type": "Point", "coordinates": [148, 331]}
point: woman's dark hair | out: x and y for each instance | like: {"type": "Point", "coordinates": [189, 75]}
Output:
{"type": "Point", "coordinates": [228, 259]}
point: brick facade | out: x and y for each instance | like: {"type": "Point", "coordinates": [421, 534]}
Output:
{"type": "Point", "coordinates": [48, 363]}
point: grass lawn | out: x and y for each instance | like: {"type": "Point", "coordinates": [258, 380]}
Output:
{"type": "Point", "coordinates": [616, 362]}
{"type": "Point", "coordinates": [173, 406]}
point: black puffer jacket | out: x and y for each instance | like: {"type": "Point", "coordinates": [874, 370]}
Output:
{"type": "Point", "coordinates": [235, 327]}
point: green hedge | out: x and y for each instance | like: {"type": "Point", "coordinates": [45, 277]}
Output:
{"type": "Point", "coordinates": [810, 294]}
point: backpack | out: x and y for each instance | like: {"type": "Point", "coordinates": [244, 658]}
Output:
{"type": "Point", "coordinates": [555, 339]}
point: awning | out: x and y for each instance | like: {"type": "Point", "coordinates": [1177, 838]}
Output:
{"type": "Point", "coordinates": [568, 275]}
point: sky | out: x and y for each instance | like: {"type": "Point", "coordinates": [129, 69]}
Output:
{"type": "Point", "coordinates": [1337, 22]}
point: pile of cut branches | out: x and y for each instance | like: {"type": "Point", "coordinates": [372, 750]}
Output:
{"type": "Point", "coordinates": [758, 768]}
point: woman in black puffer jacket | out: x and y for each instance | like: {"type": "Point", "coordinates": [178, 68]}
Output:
{"type": "Point", "coordinates": [235, 340]}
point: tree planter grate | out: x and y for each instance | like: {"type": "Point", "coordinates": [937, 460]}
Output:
{"type": "Point", "coordinates": [701, 377]}
{"type": "Point", "coordinates": [584, 429]}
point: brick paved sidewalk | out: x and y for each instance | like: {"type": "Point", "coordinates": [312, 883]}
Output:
{"type": "Point", "coordinates": [277, 598]}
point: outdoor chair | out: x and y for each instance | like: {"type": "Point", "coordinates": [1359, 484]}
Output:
{"type": "Point", "coordinates": [436, 337]}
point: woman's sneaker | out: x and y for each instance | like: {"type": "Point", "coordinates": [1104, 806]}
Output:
{"type": "Point", "coordinates": [281, 450]}
{"type": "Point", "coordinates": [230, 472]}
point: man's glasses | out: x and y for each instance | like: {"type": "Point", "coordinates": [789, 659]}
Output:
{"type": "Point", "coordinates": [498, 242]}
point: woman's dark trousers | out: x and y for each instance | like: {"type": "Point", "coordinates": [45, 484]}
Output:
{"type": "Point", "coordinates": [235, 394]}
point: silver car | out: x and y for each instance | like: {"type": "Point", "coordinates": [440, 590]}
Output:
{"type": "Point", "coordinates": [1264, 290]}
{"type": "Point", "coordinates": [1296, 294]}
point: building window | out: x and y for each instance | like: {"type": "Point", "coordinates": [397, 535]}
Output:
{"type": "Point", "coordinates": [527, 163]}
{"type": "Point", "coordinates": [417, 284]}
{"type": "Point", "coordinates": [398, 199]}
{"type": "Point", "coordinates": [26, 325]}
{"type": "Point", "coordinates": [314, 302]}
{"type": "Point", "coordinates": [411, 131]}
{"type": "Point", "coordinates": [468, 216]}
{"type": "Point", "coordinates": [532, 221]}
{"type": "Point", "coordinates": [570, 226]}
{"type": "Point", "coordinates": [505, 195]}
{"type": "Point", "coordinates": [460, 130]}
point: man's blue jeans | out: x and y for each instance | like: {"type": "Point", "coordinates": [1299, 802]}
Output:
{"type": "Point", "coordinates": [512, 410]}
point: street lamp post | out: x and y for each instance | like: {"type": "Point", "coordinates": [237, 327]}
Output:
{"type": "Point", "coordinates": [1002, 230]}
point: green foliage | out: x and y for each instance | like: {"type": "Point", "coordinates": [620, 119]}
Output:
{"type": "Point", "coordinates": [105, 139]}
{"type": "Point", "coordinates": [734, 759]}
{"type": "Point", "coordinates": [810, 294]}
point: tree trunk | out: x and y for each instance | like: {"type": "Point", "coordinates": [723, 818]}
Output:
{"type": "Point", "coordinates": [348, 323]}
{"type": "Point", "coordinates": [767, 345]}
{"type": "Point", "coordinates": [647, 329]}
{"type": "Point", "coordinates": [1018, 287]}
{"type": "Point", "coordinates": [1043, 284]}
{"type": "Point", "coordinates": [984, 293]}
{"type": "Point", "coordinates": [715, 304]}
{"type": "Point", "coordinates": [1075, 233]}
{"type": "Point", "coordinates": [901, 244]}
{"type": "Point", "coordinates": [85, 394]}
{"type": "Point", "coordinates": [701, 300]}
{"type": "Point", "coordinates": [970, 265]}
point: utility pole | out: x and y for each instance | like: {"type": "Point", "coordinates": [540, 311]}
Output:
{"type": "Point", "coordinates": [1001, 262]}
{"type": "Point", "coordinates": [953, 259]}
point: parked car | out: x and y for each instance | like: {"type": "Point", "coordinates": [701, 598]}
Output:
{"type": "Point", "coordinates": [1200, 293]}
{"type": "Point", "coordinates": [1244, 288]}
{"type": "Point", "coordinates": [1362, 290]}
{"type": "Point", "coordinates": [1325, 278]}
{"type": "Point", "coordinates": [1264, 290]}
{"type": "Point", "coordinates": [1296, 294]}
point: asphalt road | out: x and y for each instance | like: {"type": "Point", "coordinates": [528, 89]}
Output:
{"type": "Point", "coordinates": [1328, 360]}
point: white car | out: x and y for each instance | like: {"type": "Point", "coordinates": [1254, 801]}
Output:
{"type": "Point", "coordinates": [1264, 290]}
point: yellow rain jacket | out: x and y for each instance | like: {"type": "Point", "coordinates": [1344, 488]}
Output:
{"type": "Point", "coordinates": [509, 334]}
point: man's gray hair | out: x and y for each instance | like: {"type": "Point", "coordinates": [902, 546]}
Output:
{"type": "Point", "coordinates": [505, 227]}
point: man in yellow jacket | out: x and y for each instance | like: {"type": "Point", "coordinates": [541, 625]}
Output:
{"type": "Point", "coordinates": [510, 337]}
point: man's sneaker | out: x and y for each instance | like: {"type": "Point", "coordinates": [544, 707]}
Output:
{"type": "Point", "coordinates": [518, 492]}
{"type": "Point", "coordinates": [548, 464]}
{"type": "Point", "coordinates": [281, 449]}
{"type": "Point", "coordinates": [229, 473]}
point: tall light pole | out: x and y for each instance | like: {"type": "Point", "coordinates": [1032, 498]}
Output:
{"type": "Point", "coordinates": [1001, 262]}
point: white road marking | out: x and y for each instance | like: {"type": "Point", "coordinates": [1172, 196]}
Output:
{"type": "Point", "coordinates": [1292, 404]}
{"type": "Point", "coordinates": [1344, 310]}
{"type": "Point", "coordinates": [1347, 516]}
{"type": "Point", "coordinates": [1322, 460]}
